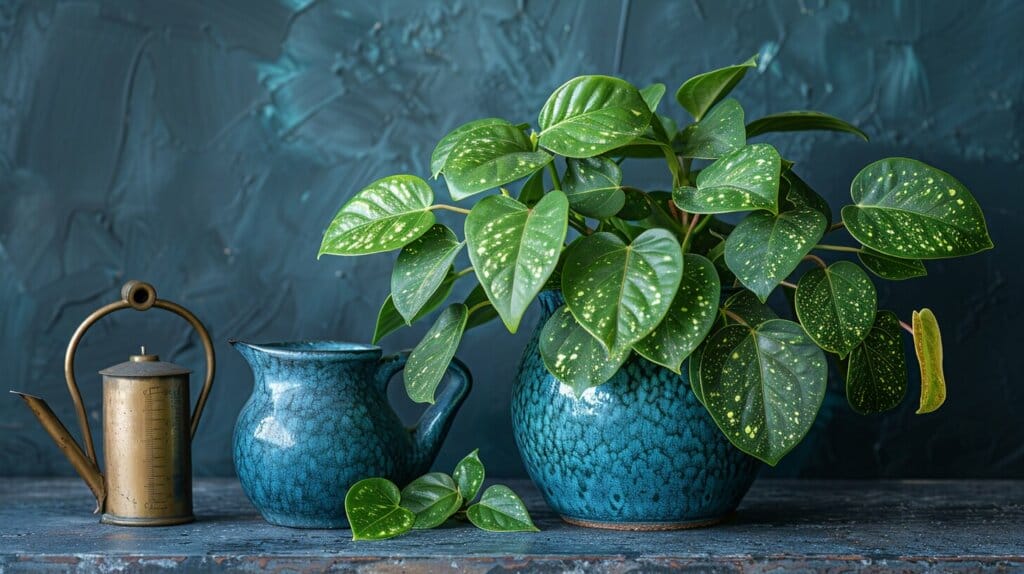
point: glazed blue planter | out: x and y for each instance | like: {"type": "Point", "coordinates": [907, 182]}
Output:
{"type": "Point", "coordinates": [318, 421]}
{"type": "Point", "coordinates": [636, 453]}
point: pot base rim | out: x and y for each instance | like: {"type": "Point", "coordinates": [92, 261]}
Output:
{"type": "Point", "coordinates": [649, 526]}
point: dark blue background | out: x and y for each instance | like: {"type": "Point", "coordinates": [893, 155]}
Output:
{"type": "Point", "coordinates": [204, 147]}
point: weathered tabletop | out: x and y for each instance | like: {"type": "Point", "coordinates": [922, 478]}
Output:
{"type": "Point", "coordinates": [45, 524]}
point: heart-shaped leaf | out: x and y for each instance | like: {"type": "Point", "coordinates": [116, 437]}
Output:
{"type": "Point", "coordinates": [390, 320]}
{"type": "Point", "coordinates": [574, 356]}
{"type": "Point", "coordinates": [618, 292]}
{"type": "Point", "coordinates": [891, 268]}
{"type": "Point", "coordinates": [801, 121]}
{"type": "Point", "coordinates": [447, 143]}
{"type": "Point", "coordinates": [763, 385]}
{"type": "Point", "coordinates": [501, 510]}
{"type": "Point", "coordinates": [514, 249]}
{"type": "Point", "coordinates": [744, 180]}
{"type": "Point", "coordinates": [421, 268]}
{"type": "Point", "coordinates": [488, 156]}
{"type": "Point", "coordinates": [469, 475]}
{"type": "Point", "coordinates": [429, 360]}
{"type": "Point", "coordinates": [765, 248]}
{"type": "Point", "coordinates": [928, 347]}
{"type": "Point", "coordinates": [718, 133]}
{"type": "Point", "coordinates": [594, 186]}
{"type": "Point", "coordinates": [690, 317]}
{"type": "Point", "coordinates": [433, 497]}
{"type": "Point", "coordinates": [798, 194]}
{"type": "Point", "coordinates": [876, 374]}
{"type": "Point", "coordinates": [836, 306]}
{"type": "Point", "coordinates": [385, 215]}
{"type": "Point", "coordinates": [700, 92]}
{"type": "Point", "coordinates": [908, 209]}
{"type": "Point", "coordinates": [749, 308]}
{"type": "Point", "coordinates": [652, 95]}
{"type": "Point", "coordinates": [590, 115]}
{"type": "Point", "coordinates": [371, 506]}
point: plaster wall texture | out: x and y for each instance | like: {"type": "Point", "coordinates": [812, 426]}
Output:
{"type": "Point", "coordinates": [205, 146]}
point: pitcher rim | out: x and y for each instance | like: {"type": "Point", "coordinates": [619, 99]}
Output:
{"type": "Point", "coordinates": [311, 348]}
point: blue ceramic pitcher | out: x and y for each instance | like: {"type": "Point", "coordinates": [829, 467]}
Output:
{"type": "Point", "coordinates": [319, 420]}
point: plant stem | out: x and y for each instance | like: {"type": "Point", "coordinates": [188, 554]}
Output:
{"type": "Point", "coordinates": [906, 327]}
{"type": "Point", "coordinates": [554, 175]}
{"type": "Point", "coordinates": [694, 229]}
{"type": "Point", "coordinates": [478, 306]}
{"type": "Point", "coordinates": [449, 208]}
{"type": "Point", "coordinates": [843, 248]}
{"type": "Point", "coordinates": [836, 227]}
{"type": "Point", "coordinates": [579, 224]}
{"type": "Point", "coordinates": [787, 284]}
{"type": "Point", "coordinates": [735, 317]}
{"type": "Point", "coordinates": [821, 262]}
{"type": "Point", "coordinates": [463, 272]}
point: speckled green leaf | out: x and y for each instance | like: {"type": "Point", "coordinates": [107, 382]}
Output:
{"type": "Point", "coordinates": [373, 512]}
{"type": "Point", "coordinates": [501, 510]}
{"type": "Point", "coordinates": [573, 355]}
{"type": "Point", "coordinates": [590, 115]}
{"type": "Point", "coordinates": [797, 193]}
{"type": "Point", "coordinates": [515, 248]}
{"type": "Point", "coordinates": [433, 498]}
{"type": "Point", "coordinates": [700, 92]}
{"type": "Point", "coordinates": [620, 292]}
{"type": "Point", "coordinates": [469, 476]}
{"type": "Point", "coordinates": [801, 121]}
{"type": "Point", "coordinates": [532, 190]}
{"type": "Point", "coordinates": [693, 311]}
{"type": "Point", "coordinates": [744, 180]}
{"type": "Point", "coordinates": [385, 215]}
{"type": "Point", "coordinates": [891, 268]}
{"type": "Point", "coordinates": [429, 359]}
{"type": "Point", "coordinates": [876, 373]}
{"type": "Point", "coordinates": [763, 385]}
{"type": "Point", "coordinates": [749, 308]}
{"type": "Point", "coordinates": [488, 156]}
{"type": "Point", "coordinates": [420, 269]}
{"type": "Point", "coordinates": [480, 313]}
{"type": "Point", "coordinates": [693, 371]}
{"type": "Point", "coordinates": [390, 320]}
{"type": "Point", "coordinates": [593, 186]}
{"type": "Point", "coordinates": [718, 133]}
{"type": "Point", "coordinates": [637, 207]}
{"type": "Point", "coordinates": [928, 348]}
{"type": "Point", "coordinates": [652, 95]}
{"type": "Point", "coordinates": [908, 209]}
{"type": "Point", "coordinates": [765, 248]}
{"type": "Point", "coordinates": [836, 306]}
{"type": "Point", "coordinates": [447, 143]}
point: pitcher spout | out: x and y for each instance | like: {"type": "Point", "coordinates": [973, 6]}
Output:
{"type": "Point", "coordinates": [85, 466]}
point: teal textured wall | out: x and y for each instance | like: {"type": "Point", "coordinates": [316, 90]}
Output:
{"type": "Point", "coordinates": [204, 147]}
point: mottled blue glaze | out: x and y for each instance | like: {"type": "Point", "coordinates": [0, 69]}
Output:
{"type": "Point", "coordinates": [636, 452]}
{"type": "Point", "coordinates": [318, 421]}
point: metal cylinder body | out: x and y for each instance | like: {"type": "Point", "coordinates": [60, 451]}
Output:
{"type": "Point", "coordinates": [146, 441]}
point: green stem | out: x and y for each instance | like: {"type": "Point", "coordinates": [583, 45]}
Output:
{"type": "Point", "coordinates": [694, 229]}
{"type": "Point", "coordinates": [787, 284]}
{"type": "Point", "coordinates": [579, 224]}
{"type": "Point", "coordinates": [821, 262]}
{"type": "Point", "coordinates": [842, 248]}
{"type": "Point", "coordinates": [735, 317]}
{"type": "Point", "coordinates": [449, 208]}
{"type": "Point", "coordinates": [478, 306]}
{"type": "Point", "coordinates": [554, 175]}
{"type": "Point", "coordinates": [836, 227]}
{"type": "Point", "coordinates": [462, 273]}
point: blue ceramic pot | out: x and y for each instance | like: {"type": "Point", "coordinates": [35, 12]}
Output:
{"type": "Point", "coordinates": [636, 453]}
{"type": "Point", "coordinates": [318, 421]}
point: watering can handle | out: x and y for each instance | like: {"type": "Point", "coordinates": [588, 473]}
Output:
{"type": "Point", "coordinates": [139, 296]}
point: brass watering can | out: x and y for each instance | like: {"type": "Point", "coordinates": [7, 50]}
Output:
{"type": "Point", "coordinates": [147, 434]}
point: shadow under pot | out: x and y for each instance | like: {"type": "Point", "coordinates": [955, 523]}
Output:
{"type": "Point", "coordinates": [319, 420]}
{"type": "Point", "coordinates": [636, 453]}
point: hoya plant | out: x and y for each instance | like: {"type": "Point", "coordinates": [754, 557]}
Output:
{"type": "Point", "coordinates": [670, 275]}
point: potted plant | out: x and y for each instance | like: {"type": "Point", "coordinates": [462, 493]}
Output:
{"type": "Point", "coordinates": [658, 376]}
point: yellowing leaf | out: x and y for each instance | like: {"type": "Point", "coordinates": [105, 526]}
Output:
{"type": "Point", "coordinates": [928, 346]}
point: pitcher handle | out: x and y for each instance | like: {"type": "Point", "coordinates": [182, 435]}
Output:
{"type": "Point", "coordinates": [435, 421]}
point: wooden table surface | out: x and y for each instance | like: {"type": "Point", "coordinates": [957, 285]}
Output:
{"type": "Point", "coordinates": [46, 525]}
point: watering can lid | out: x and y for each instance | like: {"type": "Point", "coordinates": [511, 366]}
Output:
{"type": "Point", "coordinates": [144, 365]}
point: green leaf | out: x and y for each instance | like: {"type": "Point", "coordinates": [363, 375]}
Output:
{"type": "Point", "coordinates": [836, 306]}
{"type": "Point", "coordinates": [433, 497]}
{"type": "Point", "coordinates": [429, 360]}
{"type": "Point", "coordinates": [421, 268]}
{"type": "Point", "coordinates": [700, 92]}
{"type": "Point", "coordinates": [619, 293]}
{"type": "Point", "coordinates": [447, 143]}
{"type": "Point", "coordinates": [500, 510]}
{"type": "Point", "coordinates": [574, 356]}
{"type": "Point", "coordinates": [488, 156]}
{"type": "Point", "coordinates": [908, 209]}
{"type": "Point", "coordinates": [480, 313]}
{"type": "Point", "coordinates": [532, 190]}
{"type": "Point", "coordinates": [719, 133]}
{"type": "Point", "coordinates": [749, 308]}
{"type": "Point", "coordinates": [652, 95]}
{"type": "Point", "coordinates": [928, 347]}
{"type": "Point", "coordinates": [594, 186]}
{"type": "Point", "coordinates": [514, 249]}
{"type": "Point", "coordinates": [693, 370]}
{"type": "Point", "coordinates": [891, 268]}
{"type": "Point", "coordinates": [801, 121]}
{"type": "Point", "coordinates": [689, 319]}
{"type": "Point", "coordinates": [763, 386]}
{"type": "Point", "coordinates": [744, 180]}
{"type": "Point", "coordinates": [876, 374]}
{"type": "Point", "coordinates": [590, 115]}
{"type": "Point", "coordinates": [389, 320]}
{"type": "Point", "coordinates": [637, 206]}
{"type": "Point", "coordinates": [371, 506]}
{"type": "Point", "coordinates": [385, 215]}
{"type": "Point", "coordinates": [798, 194]}
{"type": "Point", "coordinates": [765, 248]}
{"type": "Point", "coordinates": [469, 475]}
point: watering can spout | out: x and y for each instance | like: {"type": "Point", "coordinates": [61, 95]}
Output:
{"type": "Point", "coordinates": [85, 466]}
